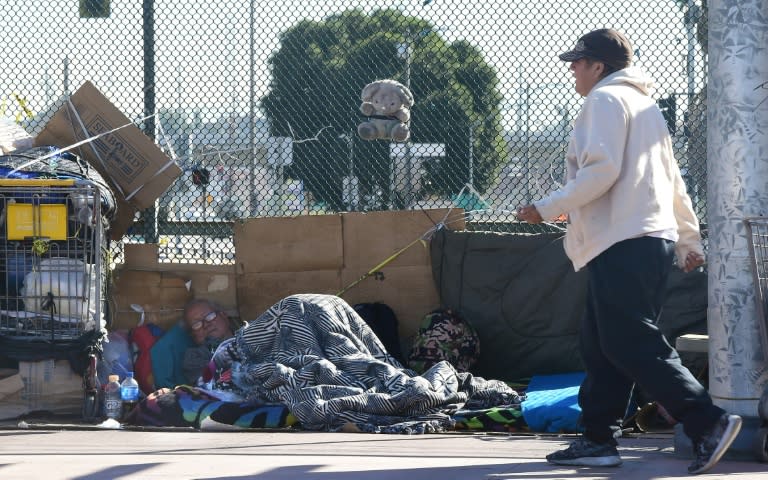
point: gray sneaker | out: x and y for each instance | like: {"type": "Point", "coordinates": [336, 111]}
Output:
{"type": "Point", "coordinates": [586, 453]}
{"type": "Point", "coordinates": [710, 449]}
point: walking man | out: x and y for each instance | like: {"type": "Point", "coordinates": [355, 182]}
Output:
{"type": "Point", "coordinates": [629, 217]}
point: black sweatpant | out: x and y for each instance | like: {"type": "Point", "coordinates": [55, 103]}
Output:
{"type": "Point", "coordinates": [621, 345]}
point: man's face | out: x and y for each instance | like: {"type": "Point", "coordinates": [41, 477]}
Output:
{"type": "Point", "coordinates": [204, 322]}
{"type": "Point", "coordinates": [587, 74]}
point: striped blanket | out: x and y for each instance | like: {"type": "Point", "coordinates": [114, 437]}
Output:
{"type": "Point", "coordinates": [314, 354]}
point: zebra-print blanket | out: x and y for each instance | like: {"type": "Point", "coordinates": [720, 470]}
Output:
{"type": "Point", "coordinates": [314, 354]}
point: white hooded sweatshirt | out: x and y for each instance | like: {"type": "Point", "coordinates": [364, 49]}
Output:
{"type": "Point", "coordinates": [622, 177]}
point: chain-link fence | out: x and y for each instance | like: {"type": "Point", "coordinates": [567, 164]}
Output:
{"type": "Point", "coordinates": [259, 102]}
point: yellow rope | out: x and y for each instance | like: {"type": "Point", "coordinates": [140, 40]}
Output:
{"type": "Point", "coordinates": [380, 265]}
{"type": "Point", "coordinates": [422, 239]}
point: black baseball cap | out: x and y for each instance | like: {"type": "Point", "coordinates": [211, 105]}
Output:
{"type": "Point", "coordinates": [605, 45]}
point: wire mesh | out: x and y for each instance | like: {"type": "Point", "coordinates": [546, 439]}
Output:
{"type": "Point", "coordinates": [757, 238]}
{"type": "Point", "coordinates": [259, 102]}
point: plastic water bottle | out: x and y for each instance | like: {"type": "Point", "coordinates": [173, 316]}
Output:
{"type": "Point", "coordinates": [129, 393]}
{"type": "Point", "coordinates": [113, 402]}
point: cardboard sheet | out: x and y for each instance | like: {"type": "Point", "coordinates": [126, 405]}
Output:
{"type": "Point", "coordinates": [408, 290]}
{"type": "Point", "coordinates": [162, 295]}
{"type": "Point", "coordinates": [288, 244]}
{"type": "Point", "coordinates": [371, 237]}
{"type": "Point", "coordinates": [164, 288]}
{"type": "Point", "coordinates": [137, 170]}
{"type": "Point", "coordinates": [256, 292]}
{"type": "Point", "coordinates": [48, 385]}
{"type": "Point", "coordinates": [277, 257]}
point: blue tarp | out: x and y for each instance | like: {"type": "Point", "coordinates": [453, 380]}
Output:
{"type": "Point", "coordinates": [552, 403]}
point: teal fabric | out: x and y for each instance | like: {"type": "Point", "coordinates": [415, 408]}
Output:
{"type": "Point", "coordinates": [168, 357]}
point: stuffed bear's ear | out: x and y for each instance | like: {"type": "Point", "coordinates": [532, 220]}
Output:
{"type": "Point", "coordinates": [406, 96]}
{"type": "Point", "coordinates": [370, 90]}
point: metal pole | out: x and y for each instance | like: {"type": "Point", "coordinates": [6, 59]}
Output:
{"type": "Point", "coordinates": [471, 153]}
{"type": "Point", "coordinates": [690, 64]}
{"type": "Point", "coordinates": [151, 234]}
{"type": "Point", "coordinates": [408, 159]}
{"type": "Point", "coordinates": [251, 113]}
{"type": "Point", "coordinates": [527, 147]}
{"type": "Point", "coordinates": [148, 16]}
{"type": "Point", "coordinates": [737, 373]}
{"type": "Point", "coordinates": [66, 76]}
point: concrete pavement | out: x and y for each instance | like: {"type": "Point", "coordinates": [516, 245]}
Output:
{"type": "Point", "coordinates": [51, 454]}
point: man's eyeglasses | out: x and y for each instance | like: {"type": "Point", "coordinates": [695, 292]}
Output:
{"type": "Point", "coordinates": [208, 318]}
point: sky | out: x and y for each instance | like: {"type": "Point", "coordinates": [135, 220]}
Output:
{"type": "Point", "coordinates": [203, 47]}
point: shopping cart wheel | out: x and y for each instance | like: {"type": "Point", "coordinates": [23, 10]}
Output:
{"type": "Point", "coordinates": [760, 444]}
{"type": "Point", "coordinates": [91, 389]}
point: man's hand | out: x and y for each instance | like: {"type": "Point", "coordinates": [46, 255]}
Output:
{"type": "Point", "coordinates": [693, 260]}
{"type": "Point", "coordinates": [529, 214]}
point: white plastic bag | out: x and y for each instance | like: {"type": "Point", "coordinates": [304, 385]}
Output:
{"type": "Point", "coordinates": [72, 285]}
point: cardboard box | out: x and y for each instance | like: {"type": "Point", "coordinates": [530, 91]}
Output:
{"type": "Point", "coordinates": [162, 295]}
{"type": "Point", "coordinates": [46, 385]}
{"type": "Point", "coordinates": [135, 168]}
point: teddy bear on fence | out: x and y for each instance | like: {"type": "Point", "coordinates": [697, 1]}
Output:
{"type": "Point", "coordinates": [387, 104]}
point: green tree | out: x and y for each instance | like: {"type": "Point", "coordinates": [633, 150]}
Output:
{"type": "Point", "coordinates": [319, 71]}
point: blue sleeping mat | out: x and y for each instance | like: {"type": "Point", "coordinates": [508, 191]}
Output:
{"type": "Point", "coordinates": [552, 403]}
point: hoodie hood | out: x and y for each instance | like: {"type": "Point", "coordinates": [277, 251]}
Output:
{"type": "Point", "coordinates": [633, 76]}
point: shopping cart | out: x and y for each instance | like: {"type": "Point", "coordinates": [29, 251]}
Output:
{"type": "Point", "coordinates": [52, 257]}
{"type": "Point", "coordinates": [757, 239]}
{"type": "Point", "coordinates": [757, 236]}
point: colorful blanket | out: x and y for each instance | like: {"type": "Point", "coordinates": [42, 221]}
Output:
{"type": "Point", "coordinates": [192, 407]}
{"type": "Point", "coordinates": [496, 419]}
{"type": "Point", "coordinates": [186, 406]}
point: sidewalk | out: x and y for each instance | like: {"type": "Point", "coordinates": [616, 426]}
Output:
{"type": "Point", "coordinates": [265, 455]}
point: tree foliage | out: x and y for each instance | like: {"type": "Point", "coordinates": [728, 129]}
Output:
{"type": "Point", "coordinates": [321, 67]}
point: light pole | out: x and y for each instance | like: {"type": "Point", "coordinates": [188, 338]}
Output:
{"type": "Point", "coordinates": [691, 17]}
{"type": "Point", "coordinates": [151, 233]}
{"type": "Point", "coordinates": [472, 151]}
{"type": "Point", "coordinates": [472, 127]}
{"type": "Point", "coordinates": [148, 25]}
{"type": "Point", "coordinates": [251, 113]}
{"type": "Point", "coordinates": [349, 192]}
{"type": "Point", "coordinates": [406, 53]}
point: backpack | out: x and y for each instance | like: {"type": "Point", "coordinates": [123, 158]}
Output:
{"type": "Point", "coordinates": [382, 320]}
{"type": "Point", "coordinates": [444, 335]}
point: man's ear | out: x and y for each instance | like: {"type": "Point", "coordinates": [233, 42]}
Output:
{"type": "Point", "coordinates": [602, 67]}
